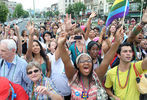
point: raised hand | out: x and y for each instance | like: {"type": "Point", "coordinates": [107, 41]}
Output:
{"type": "Point", "coordinates": [144, 17]}
{"type": "Point", "coordinates": [93, 14]}
{"type": "Point", "coordinates": [30, 27]}
{"type": "Point", "coordinates": [62, 38]}
{"type": "Point", "coordinates": [68, 25]}
{"type": "Point", "coordinates": [119, 36]}
{"type": "Point", "coordinates": [41, 89]}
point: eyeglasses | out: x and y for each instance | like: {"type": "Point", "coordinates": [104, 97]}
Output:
{"type": "Point", "coordinates": [30, 72]}
{"type": "Point", "coordinates": [83, 61]}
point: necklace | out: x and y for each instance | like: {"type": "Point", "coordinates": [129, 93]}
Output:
{"type": "Point", "coordinates": [122, 87]}
{"type": "Point", "coordinates": [85, 93]}
{"type": "Point", "coordinates": [33, 96]}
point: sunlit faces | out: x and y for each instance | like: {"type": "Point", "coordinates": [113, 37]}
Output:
{"type": "Point", "coordinates": [35, 48]}
{"type": "Point", "coordinates": [34, 74]}
{"type": "Point", "coordinates": [12, 32]}
{"type": "Point", "coordinates": [92, 34]}
{"type": "Point", "coordinates": [93, 52]}
{"type": "Point", "coordinates": [112, 29]}
{"type": "Point", "coordinates": [126, 54]}
{"type": "Point", "coordinates": [47, 37]}
{"type": "Point", "coordinates": [85, 65]}
{"type": "Point", "coordinates": [5, 53]}
{"type": "Point", "coordinates": [139, 37]}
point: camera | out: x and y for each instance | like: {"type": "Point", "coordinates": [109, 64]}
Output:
{"type": "Point", "coordinates": [78, 37]}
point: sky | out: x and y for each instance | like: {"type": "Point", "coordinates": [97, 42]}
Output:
{"type": "Point", "coordinates": [39, 4]}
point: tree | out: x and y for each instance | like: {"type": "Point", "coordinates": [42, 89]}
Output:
{"type": "Point", "coordinates": [25, 14]}
{"type": "Point", "coordinates": [3, 12]}
{"type": "Point", "coordinates": [18, 12]}
{"type": "Point", "coordinates": [57, 13]}
{"type": "Point", "coordinates": [77, 7]}
{"type": "Point", "coordinates": [49, 14]}
{"type": "Point", "coordinates": [69, 10]}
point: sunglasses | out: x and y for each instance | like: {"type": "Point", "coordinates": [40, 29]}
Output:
{"type": "Point", "coordinates": [30, 72]}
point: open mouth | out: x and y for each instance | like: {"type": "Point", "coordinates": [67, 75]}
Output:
{"type": "Point", "coordinates": [86, 69]}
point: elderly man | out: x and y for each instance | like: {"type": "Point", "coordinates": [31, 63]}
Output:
{"type": "Point", "coordinates": [11, 65]}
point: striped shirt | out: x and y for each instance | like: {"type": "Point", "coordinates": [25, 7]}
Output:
{"type": "Point", "coordinates": [44, 82]}
{"type": "Point", "coordinates": [77, 89]}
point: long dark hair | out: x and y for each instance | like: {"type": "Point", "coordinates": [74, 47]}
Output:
{"type": "Point", "coordinates": [44, 56]}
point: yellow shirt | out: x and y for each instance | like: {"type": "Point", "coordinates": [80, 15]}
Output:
{"type": "Point", "coordinates": [130, 92]}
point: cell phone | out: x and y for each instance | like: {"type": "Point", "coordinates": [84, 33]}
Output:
{"type": "Point", "coordinates": [78, 37]}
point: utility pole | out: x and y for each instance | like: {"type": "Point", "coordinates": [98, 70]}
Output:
{"type": "Point", "coordinates": [34, 10]}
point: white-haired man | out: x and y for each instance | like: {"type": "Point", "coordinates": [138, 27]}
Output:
{"type": "Point", "coordinates": [11, 65]}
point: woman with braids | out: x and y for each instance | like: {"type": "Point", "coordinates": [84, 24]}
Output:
{"type": "Point", "coordinates": [36, 53]}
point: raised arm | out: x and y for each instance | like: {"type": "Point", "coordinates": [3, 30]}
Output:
{"type": "Point", "coordinates": [144, 64]}
{"type": "Point", "coordinates": [110, 54]}
{"type": "Point", "coordinates": [19, 45]}
{"type": "Point", "coordinates": [30, 44]}
{"type": "Point", "coordinates": [138, 28]}
{"type": "Point", "coordinates": [88, 25]}
{"type": "Point", "coordinates": [69, 68]}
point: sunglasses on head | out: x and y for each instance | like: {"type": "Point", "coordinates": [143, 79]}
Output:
{"type": "Point", "coordinates": [30, 72]}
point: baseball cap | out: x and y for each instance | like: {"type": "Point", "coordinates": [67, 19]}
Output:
{"type": "Point", "coordinates": [4, 88]}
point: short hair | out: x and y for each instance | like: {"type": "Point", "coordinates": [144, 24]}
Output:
{"type": "Point", "coordinates": [79, 30]}
{"type": "Point", "coordinates": [10, 43]}
{"type": "Point", "coordinates": [122, 45]}
{"type": "Point", "coordinates": [32, 64]}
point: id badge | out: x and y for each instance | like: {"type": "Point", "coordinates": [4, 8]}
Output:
{"type": "Point", "coordinates": [84, 95]}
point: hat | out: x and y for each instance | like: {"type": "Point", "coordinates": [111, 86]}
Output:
{"type": "Point", "coordinates": [4, 88]}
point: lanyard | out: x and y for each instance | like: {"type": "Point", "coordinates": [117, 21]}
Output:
{"type": "Point", "coordinates": [9, 71]}
{"type": "Point", "coordinates": [127, 81]}
{"type": "Point", "coordinates": [76, 50]}
{"type": "Point", "coordinates": [82, 82]}
{"type": "Point", "coordinates": [33, 96]}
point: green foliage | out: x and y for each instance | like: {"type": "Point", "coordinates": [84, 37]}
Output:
{"type": "Point", "coordinates": [26, 14]}
{"type": "Point", "coordinates": [18, 12]}
{"type": "Point", "coordinates": [69, 10]}
{"type": "Point", "coordinates": [75, 9]}
{"type": "Point", "coordinates": [3, 12]}
{"type": "Point", "coordinates": [57, 13]}
{"type": "Point", "coordinates": [49, 14]}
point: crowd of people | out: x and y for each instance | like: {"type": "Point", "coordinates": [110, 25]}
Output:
{"type": "Point", "coordinates": [73, 61]}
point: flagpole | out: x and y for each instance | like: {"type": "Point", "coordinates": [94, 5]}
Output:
{"type": "Point", "coordinates": [124, 13]}
{"type": "Point", "coordinates": [141, 9]}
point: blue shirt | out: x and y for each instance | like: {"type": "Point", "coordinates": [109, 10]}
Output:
{"type": "Point", "coordinates": [17, 72]}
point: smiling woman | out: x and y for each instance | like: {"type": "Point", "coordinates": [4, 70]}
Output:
{"type": "Point", "coordinates": [41, 88]}
{"type": "Point", "coordinates": [85, 82]}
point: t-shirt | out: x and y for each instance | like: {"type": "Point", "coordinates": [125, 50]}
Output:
{"type": "Point", "coordinates": [130, 92]}
{"type": "Point", "coordinates": [58, 76]}
{"type": "Point", "coordinates": [74, 52]}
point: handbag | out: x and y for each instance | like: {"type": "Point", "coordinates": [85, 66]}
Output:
{"type": "Point", "coordinates": [141, 81]}
{"type": "Point", "coordinates": [101, 93]}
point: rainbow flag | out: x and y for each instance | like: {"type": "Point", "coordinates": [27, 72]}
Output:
{"type": "Point", "coordinates": [117, 10]}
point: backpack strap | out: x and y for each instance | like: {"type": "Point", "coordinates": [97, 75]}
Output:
{"type": "Point", "coordinates": [136, 72]}
{"type": "Point", "coordinates": [2, 63]}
